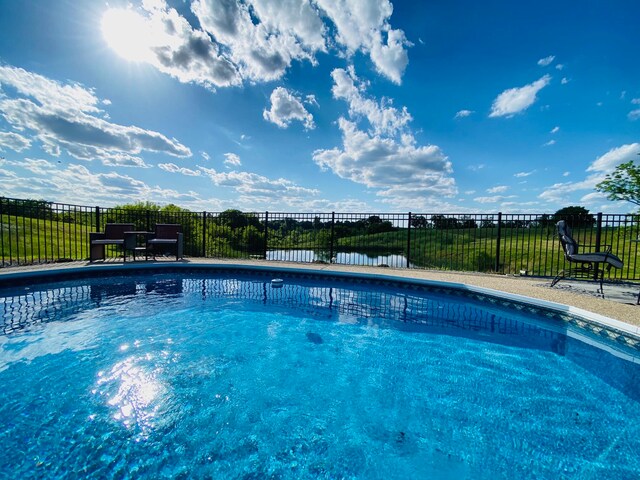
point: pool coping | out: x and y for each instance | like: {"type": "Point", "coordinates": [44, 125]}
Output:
{"type": "Point", "coordinates": [91, 270]}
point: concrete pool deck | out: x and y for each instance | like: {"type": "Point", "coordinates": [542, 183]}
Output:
{"type": "Point", "coordinates": [619, 302]}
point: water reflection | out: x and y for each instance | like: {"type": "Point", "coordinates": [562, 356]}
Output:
{"type": "Point", "coordinates": [343, 258]}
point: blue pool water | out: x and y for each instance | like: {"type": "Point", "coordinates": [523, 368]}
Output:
{"type": "Point", "coordinates": [225, 376]}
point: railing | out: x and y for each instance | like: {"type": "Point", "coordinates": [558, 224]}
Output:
{"type": "Point", "coordinates": [525, 244]}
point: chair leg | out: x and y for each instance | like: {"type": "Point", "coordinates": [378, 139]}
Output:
{"type": "Point", "coordinates": [558, 277]}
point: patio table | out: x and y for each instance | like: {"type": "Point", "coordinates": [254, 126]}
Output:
{"type": "Point", "coordinates": [131, 241]}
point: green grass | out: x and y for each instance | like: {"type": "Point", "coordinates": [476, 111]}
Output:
{"type": "Point", "coordinates": [31, 240]}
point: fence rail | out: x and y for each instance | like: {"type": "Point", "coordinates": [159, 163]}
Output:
{"type": "Point", "coordinates": [41, 232]}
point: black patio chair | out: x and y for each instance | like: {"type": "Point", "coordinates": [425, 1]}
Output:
{"type": "Point", "coordinates": [114, 234]}
{"type": "Point", "coordinates": [583, 265]}
{"type": "Point", "coordinates": [167, 236]}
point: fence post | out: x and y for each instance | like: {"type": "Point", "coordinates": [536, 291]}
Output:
{"type": "Point", "coordinates": [2, 233]}
{"type": "Point", "coordinates": [497, 266]}
{"type": "Point", "coordinates": [598, 231]}
{"type": "Point", "coordinates": [266, 233]}
{"type": "Point", "coordinates": [148, 220]}
{"type": "Point", "coordinates": [409, 240]}
{"type": "Point", "coordinates": [598, 240]}
{"type": "Point", "coordinates": [204, 234]}
{"type": "Point", "coordinates": [333, 222]}
{"type": "Point", "coordinates": [97, 219]}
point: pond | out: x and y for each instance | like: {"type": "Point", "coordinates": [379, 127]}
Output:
{"type": "Point", "coordinates": [342, 258]}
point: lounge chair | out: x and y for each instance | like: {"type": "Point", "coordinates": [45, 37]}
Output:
{"type": "Point", "coordinates": [166, 236]}
{"type": "Point", "coordinates": [589, 264]}
{"type": "Point", "coordinates": [114, 234]}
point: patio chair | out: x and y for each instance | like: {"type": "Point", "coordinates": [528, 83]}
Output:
{"type": "Point", "coordinates": [588, 264]}
{"type": "Point", "coordinates": [167, 236]}
{"type": "Point", "coordinates": [114, 234]}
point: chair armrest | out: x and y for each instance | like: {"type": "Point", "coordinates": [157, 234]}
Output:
{"type": "Point", "coordinates": [96, 236]}
{"type": "Point", "coordinates": [603, 248]}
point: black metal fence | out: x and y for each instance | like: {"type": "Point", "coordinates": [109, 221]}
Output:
{"type": "Point", "coordinates": [525, 244]}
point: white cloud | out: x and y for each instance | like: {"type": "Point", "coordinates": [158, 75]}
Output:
{"type": "Point", "coordinates": [498, 189]}
{"type": "Point", "coordinates": [205, 155]}
{"type": "Point", "coordinates": [285, 108]}
{"type": "Point", "coordinates": [566, 174]}
{"type": "Point", "coordinates": [401, 172]}
{"type": "Point", "coordinates": [75, 184]}
{"type": "Point", "coordinates": [257, 191]}
{"type": "Point", "coordinates": [463, 113]}
{"type": "Point", "coordinates": [231, 159]}
{"type": "Point", "coordinates": [543, 62]}
{"type": "Point", "coordinates": [634, 114]}
{"type": "Point", "coordinates": [383, 117]}
{"type": "Point", "coordinates": [494, 199]}
{"type": "Point", "coordinates": [635, 101]}
{"type": "Point", "coordinates": [614, 157]}
{"type": "Point", "coordinates": [516, 100]}
{"type": "Point", "coordinates": [170, 44]}
{"type": "Point", "coordinates": [362, 25]}
{"type": "Point", "coordinates": [63, 117]}
{"type": "Point", "coordinates": [173, 168]}
{"type": "Point", "coordinates": [549, 143]}
{"type": "Point", "coordinates": [261, 38]}
{"type": "Point", "coordinates": [14, 141]}
{"type": "Point", "coordinates": [385, 158]}
{"type": "Point", "coordinates": [564, 80]}
{"type": "Point", "coordinates": [565, 193]}
{"type": "Point", "coordinates": [476, 168]}
{"type": "Point", "coordinates": [37, 166]}
{"type": "Point", "coordinates": [590, 198]}
{"type": "Point", "coordinates": [559, 67]}
{"type": "Point", "coordinates": [524, 174]}
{"type": "Point", "coordinates": [555, 130]}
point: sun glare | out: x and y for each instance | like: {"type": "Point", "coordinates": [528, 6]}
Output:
{"type": "Point", "coordinates": [128, 34]}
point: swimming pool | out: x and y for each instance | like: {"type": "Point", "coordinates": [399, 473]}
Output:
{"type": "Point", "coordinates": [221, 374]}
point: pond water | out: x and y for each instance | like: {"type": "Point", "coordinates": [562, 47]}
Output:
{"type": "Point", "coordinates": [343, 258]}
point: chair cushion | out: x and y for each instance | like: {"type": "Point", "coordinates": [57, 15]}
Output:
{"type": "Point", "coordinates": [108, 241]}
{"type": "Point", "coordinates": [597, 257]}
{"type": "Point", "coordinates": [162, 240]}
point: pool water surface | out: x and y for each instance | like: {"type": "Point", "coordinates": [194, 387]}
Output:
{"type": "Point", "coordinates": [226, 376]}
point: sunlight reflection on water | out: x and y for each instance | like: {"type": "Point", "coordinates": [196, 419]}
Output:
{"type": "Point", "coordinates": [134, 392]}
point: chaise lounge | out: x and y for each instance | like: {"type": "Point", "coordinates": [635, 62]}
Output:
{"type": "Point", "coordinates": [589, 264]}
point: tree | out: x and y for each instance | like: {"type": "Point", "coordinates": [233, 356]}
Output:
{"type": "Point", "coordinates": [419, 221]}
{"type": "Point", "coordinates": [623, 183]}
{"type": "Point", "coordinates": [440, 222]}
{"type": "Point", "coordinates": [236, 219]}
{"type": "Point", "coordinates": [575, 216]}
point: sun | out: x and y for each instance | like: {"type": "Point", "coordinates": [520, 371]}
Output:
{"type": "Point", "coordinates": [129, 34]}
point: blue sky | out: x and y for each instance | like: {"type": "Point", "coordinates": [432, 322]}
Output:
{"type": "Point", "coordinates": [319, 105]}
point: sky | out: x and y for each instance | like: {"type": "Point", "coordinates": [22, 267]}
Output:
{"type": "Point", "coordinates": [435, 106]}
